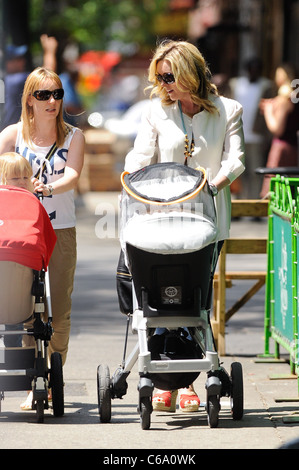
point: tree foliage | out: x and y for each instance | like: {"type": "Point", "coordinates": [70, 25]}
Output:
{"type": "Point", "coordinates": [96, 24]}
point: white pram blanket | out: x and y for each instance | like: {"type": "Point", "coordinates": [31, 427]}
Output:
{"type": "Point", "coordinates": [166, 233]}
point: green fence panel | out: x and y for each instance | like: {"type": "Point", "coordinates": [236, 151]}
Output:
{"type": "Point", "coordinates": [281, 298]}
{"type": "Point", "coordinates": [281, 311]}
{"type": "Point", "coordinates": [296, 280]}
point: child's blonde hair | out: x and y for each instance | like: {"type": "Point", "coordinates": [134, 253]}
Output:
{"type": "Point", "coordinates": [13, 165]}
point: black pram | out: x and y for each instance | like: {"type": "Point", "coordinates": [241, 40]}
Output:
{"type": "Point", "coordinates": [169, 240]}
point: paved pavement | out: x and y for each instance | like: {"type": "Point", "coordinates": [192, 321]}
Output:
{"type": "Point", "coordinates": [271, 416]}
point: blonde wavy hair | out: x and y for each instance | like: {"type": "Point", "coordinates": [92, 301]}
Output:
{"type": "Point", "coordinates": [33, 83]}
{"type": "Point", "coordinates": [13, 165]}
{"type": "Point", "coordinates": [190, 72]}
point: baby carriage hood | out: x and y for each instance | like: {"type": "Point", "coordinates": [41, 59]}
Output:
{"type": "Point", "coordinates": [26, 233]}
{"type": "Point", "coordinates": [167, 208]}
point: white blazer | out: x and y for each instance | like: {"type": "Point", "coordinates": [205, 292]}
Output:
{"type": "Point", "coordinates": [218, 138]}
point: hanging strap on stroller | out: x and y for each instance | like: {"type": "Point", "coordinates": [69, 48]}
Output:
{"type": "Point", "coordinates": [46, 160]}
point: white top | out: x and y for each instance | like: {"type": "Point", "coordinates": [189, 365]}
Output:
{"type": "Point", "coordinates": [249, 94]}
{"type": "Point", "coordinates": [60, 207]}
{"type": "Point", "coordinates": [219, 145]}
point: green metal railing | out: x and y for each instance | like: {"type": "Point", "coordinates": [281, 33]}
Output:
{"type": "Point", "coordinates": [281, 303]}
{"type": "Point", "coordinates": [296, 277]}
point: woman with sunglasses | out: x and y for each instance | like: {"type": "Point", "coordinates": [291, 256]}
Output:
{"type": "Point", "coordinates": [55, 151]}
{"type": "Point", "coordinates": [192, 125]}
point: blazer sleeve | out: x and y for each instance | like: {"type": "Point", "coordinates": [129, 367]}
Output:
{"type": "Point", "coordinates": [144, 150]}
{"type": "Point", "coordinates": [233, 157]}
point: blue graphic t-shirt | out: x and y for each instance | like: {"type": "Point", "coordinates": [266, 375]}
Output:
{"type": "Point", "coordinates": [60, 207]}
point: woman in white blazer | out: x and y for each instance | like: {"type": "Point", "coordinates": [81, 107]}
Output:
{"type": "Point", "coordinates": [192, 125]}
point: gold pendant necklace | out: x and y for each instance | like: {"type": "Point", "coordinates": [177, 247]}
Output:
{"type": "Point", "coordinates": [187, 152]}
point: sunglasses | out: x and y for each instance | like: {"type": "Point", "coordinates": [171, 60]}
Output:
{"type": "Point", "coordinates": [167, 78]}
{"type": "Point", "coordinates": [45, 95]}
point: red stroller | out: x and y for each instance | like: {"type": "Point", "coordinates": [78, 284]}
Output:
{"type": "Point", "coordinates": [27, 240]}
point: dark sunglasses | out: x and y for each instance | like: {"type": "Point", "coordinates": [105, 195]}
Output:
{"type": "Point", "coordinates": [45, 95]}
{"type": "Point", "coordinates": [167, 78]}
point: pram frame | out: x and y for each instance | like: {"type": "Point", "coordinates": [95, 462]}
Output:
{"type": "Point", "coordinates": [218, 382]}
{"type": "Point", "coordinates": [41, 376]}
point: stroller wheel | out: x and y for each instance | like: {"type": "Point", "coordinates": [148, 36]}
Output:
{"type": "Point", "coordinates": [145, 412]}
{"type": "Point", "coordinates": [237, 406]}
{"type": "Point", "coordinates": [1, 398]}
{"type": "Point", "coordinates": [213, 408]}
{"type": "Point", "coordinates": [56, 384]}
{"type": "Point", "coordinates": [40, 411]}
{"type": "Point", "coordinates": [104, 395]}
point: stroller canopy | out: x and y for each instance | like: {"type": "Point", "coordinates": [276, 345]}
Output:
{"type": "Point", "coordinates": [26, 233]}
{"type": "Point", "coordinates": [167, 208]}
{"type": "Point", "coordinates": [164, 183]}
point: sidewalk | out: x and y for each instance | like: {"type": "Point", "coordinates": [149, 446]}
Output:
{"type": "Point", "coordinates": [97, 337]}
{"type": "Point", "coordinates": [271, 394]}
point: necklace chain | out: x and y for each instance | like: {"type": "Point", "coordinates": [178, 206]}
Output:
{"type": "Point", "coordinates": [188, 153]}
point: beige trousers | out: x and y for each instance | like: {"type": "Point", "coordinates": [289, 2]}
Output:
{"type": "Point", "coordinates": [61, 274]}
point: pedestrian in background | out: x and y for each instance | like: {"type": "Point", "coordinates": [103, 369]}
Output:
{"type": "Point", "coordinates": [282, 118]}
{"type": "Point", "coordinates": [16, 73]}
{"type": "Point", "coordinates": [248, 90]}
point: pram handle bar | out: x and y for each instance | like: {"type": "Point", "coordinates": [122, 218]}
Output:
{"type": "Point", "coordinates": [158, 203]}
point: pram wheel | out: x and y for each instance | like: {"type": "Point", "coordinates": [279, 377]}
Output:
{"type": "Point", "coordinates": [40, 411]}
{"type": "Point", "coordinates": [104, 395]}
{"type": "Point", "coordinates": [56, 384]}
{"type": "Point", "coordinates": [213, 408]}
{"type": "Point", "coordinates": [1, 398]}
{"type": "Point", "coordinates": [237, 406]}
{"type": "Point", "coordinates": [145, 412]}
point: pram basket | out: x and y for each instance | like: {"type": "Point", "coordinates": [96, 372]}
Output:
{"type": "Point", "coordinates": [169, 239]}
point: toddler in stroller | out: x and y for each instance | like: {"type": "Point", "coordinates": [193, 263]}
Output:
{"type": "Point", "coordinates": [169, 240]}
{"type": "Point", "coordinates": [27, 240]}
